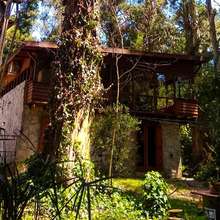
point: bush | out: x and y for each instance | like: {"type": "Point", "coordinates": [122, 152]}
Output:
{"type": "Point", "coordinates": [117, 206]}
{"type": "Point", "coordinates": [155, 198]}
{"type": "Point", "coordinates": [186, 148]}
{"type": "Point", "coordinates": [125, 148]}
{"type": "Point", "coordinates": [206, 172]}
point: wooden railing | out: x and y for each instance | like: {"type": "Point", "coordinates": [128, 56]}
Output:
{"type": "Point", "coordinates": [26, 75]}
{"type": "Point", "coordinates": [168, 105]}
{"type": "Point", "coordinates": [152, 103]}
{"type": "Point", "coordinates": [36, 92]}
{"type": "Point", "coordinates": [186, 107]}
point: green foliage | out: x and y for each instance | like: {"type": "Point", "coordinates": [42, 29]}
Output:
{"type": "Point", "coordinates": [76, 84]}
{"type": "Point", "coordinates": [129, 184]}
{"type": "Point", "coordinates": [117, 206]}
{"type": "Point", "coordinates": [125, 147]}
{"type": "Point", "coordinates": [141, 25]}
{"type": "Point", "coordinates": [206, 172]}
{"type": "Point", "coordinates": [209, 99]}
{"type": "Point", "coordinates": [191, 211]}
{"type": "Point", "coordinates": [186, 146]}
{"type": "Point", "coordinates": [27, 16]}
{"type": "Point", "coordinates": [155, 194]}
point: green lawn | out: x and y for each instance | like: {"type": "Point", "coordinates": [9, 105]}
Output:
{"type": "Point", "coordinates": [180, 195]}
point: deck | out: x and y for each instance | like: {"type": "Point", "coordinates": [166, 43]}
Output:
{"type": "Point", "coordinates": [166, 107]}
{"type": "Point", "coordinates": [148, 106]}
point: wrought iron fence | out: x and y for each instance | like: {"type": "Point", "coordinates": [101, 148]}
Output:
{"type": "Point", "coordinates": [7, 147]}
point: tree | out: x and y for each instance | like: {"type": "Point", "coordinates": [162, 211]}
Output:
{"type": "Point", "coordinates": [213, 35]}
{"type": "Point", "coordinates": [77, 84]}
{"type": "Point", "coordinates": [15, 27]}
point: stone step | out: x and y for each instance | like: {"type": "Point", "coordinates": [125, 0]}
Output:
{"type": "Point", "coordinates": [175, 218]}
{"type": "Point", "coordinates": [176, 211]}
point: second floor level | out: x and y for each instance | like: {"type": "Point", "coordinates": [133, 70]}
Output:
{"type": "Point", "coordinates": [151, 85]}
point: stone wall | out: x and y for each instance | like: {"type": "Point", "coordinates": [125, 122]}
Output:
{"type": "Point", "coordinates": [16, 117]}
{"type": "Point", "coordinates": [11, 111]}
{"type": "Point", "coordinates": [31, 128]}
{"type": "Point", "coordinates": [171, 150]}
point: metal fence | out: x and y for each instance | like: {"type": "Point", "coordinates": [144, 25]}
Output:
{"type": "Point", "coordinates": [7, 147]}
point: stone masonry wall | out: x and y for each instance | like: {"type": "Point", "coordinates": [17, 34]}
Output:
{"type": "Point", "coordinates": [171, 150]}
{"type": "Point", "coordinates": [31, 128]}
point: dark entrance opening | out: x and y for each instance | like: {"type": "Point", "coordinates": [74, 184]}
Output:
{"type": "Point", "coordinates": [151, 149]}
{"type": "Point", "coordinates": [149, 140]}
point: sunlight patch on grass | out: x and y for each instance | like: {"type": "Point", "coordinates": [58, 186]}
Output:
{"type": "Point", "coordinates": [128, 184]}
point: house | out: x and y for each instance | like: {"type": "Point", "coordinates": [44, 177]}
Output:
{"type": "Point", "coordinates": [156, 87]}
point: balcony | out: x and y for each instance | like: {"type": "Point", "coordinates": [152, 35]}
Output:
{"type": "Point", "coordinates": [36, 93]}
{"type": "Point", "coordinates": [165, 107]}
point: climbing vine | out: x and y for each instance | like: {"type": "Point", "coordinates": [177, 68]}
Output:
{"type": "Point", "coordinates": [77, 85]}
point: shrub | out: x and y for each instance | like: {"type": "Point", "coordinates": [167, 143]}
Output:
{"type": "Point", "coordinates": [206, 172]}
{"type": "Point", "coordinates": [155, 198]}
{"type": "Point", "coordinates": [117, 206]}
{"type": "Point", "coordinates": [186, 148]}
{"type": "Point", "coordinates": [125, 145]}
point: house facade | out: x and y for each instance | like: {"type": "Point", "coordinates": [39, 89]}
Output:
{"type": "Point", "coordinates": [157, 88]}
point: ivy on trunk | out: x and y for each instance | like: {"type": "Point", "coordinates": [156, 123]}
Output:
{"type": "Point", "coordinates": [77, 85]}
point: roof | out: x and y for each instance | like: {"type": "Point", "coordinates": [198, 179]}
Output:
{"type": "Point", "coordinates": [32, 46]}
{"type": "Point", "coordinates": [169, 64]}
{"type": "Point", "coordinates": [124, 51]}
{"type": "Point", "coordinates": [35, 45]}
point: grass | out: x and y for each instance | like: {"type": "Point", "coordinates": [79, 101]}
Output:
{"type": "Point", "coordinates": [179, 195]}
{"type": "Point", "coordinates": [129, 184]}
{"type": "Point", "coordinates": [190, 210]}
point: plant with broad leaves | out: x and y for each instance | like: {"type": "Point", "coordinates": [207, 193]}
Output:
{"type": "Point", "coordinates": [155, 198]}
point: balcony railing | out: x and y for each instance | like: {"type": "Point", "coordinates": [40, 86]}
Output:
{"type": "Point", "coordinates": [177, 107]}
{"type": "Point", "coordinates": [36, 92]}
{"type": "Point", "coordinates": [186, 107]}
{"type": "Point", "coordinates": [26, 75]}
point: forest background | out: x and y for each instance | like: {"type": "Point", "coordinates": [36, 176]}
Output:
{"type": "Point", "coordinates": [183, 26]}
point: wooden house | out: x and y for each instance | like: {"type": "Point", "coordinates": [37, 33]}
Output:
{"type": "Point", "coordinates": [156, 87]}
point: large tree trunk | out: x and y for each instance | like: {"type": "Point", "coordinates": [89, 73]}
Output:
{"type": "Point", "coordinates": [212, 30]}
{"type": "Point", "coordinates": [190, 27]}
{"type": "Point", "coordinates": [77, 84]}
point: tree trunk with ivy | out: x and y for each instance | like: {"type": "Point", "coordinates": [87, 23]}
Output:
{"type": "Point", "coordinates": [77, 86]}
{"type": "Point", "coordinates": [213, 34]}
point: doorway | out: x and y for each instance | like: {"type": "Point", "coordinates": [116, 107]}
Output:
{"type": "Point", "coordinates": [150, 155]}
